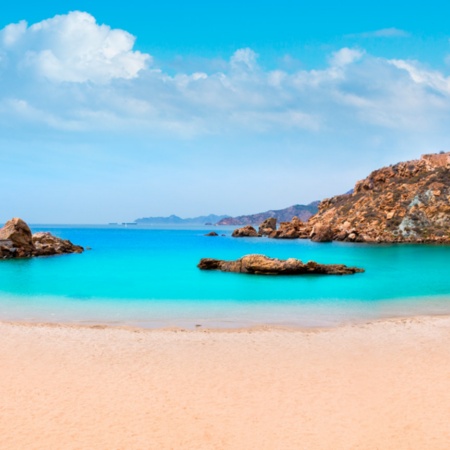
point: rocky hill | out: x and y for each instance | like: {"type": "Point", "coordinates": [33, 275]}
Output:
{"type": "Point", "coordinates": [303, 212]}
{"type": "Point", "coordinates": [405, 202]}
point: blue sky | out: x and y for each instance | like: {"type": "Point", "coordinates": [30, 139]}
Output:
{"type": "Point", "coordinates": [113, 112]}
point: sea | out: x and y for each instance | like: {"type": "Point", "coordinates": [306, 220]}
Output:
{"type": "Point", "coordinates": [148, 277]}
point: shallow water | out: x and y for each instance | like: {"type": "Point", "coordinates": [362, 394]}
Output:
{"type": "Point", "coordinates": [148, 277]}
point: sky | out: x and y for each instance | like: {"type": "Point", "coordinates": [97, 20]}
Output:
{"type": "Point", "coordinates": [114, 111]}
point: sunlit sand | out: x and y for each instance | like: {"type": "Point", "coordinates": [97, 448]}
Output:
{"type": "Point", "coordinates": [375, 386]}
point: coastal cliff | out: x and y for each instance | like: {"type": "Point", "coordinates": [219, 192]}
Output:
{"type": "Point", "coordinates": [405, 202]}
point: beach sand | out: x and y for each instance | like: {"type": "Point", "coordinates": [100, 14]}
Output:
{"type": "Point", "coordinates": [382, 385]}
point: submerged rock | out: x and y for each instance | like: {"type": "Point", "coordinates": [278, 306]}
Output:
{"type": "Point", "coordinates": [263, 265]}
{"type": "Point", "coordinates": [17, 241]}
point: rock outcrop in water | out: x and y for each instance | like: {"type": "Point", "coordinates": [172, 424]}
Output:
{"type": "Point", "coordinates": [263, 265]}
{"type": "Point", "coordinates": [247, 231]}
{"type": "Point", "coordinates": [295, 229]}
{"type": "Point", "coordinates": [406, 202]}
{"type": "Point", "coordinates": [17, 241]}
{"type": "Point", "coordinates": [267, 226]}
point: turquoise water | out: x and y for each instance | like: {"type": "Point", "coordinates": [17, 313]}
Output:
{"type": "Point", "coordinates": [148, 277]}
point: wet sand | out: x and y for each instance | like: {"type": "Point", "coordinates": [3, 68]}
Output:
{"type": "Point", "coordinates": [381, 385]}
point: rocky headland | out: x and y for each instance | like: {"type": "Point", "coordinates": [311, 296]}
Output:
{"type": "Point", "coordinates": [17, 241]}
{"type": "Point", "coordinates": [263, 265]}
{"type": "Point", "coordinates": [405, 202]}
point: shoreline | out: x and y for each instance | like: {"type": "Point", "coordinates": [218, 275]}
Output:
{"type": "Point", "coordinates": [260, 327]}
{"type": "Point", "coordinates": [382, 384]}
{"type": "Point", "coordinates": [159, 316]}
{"type": "Point", "coordinates": [191, 324]}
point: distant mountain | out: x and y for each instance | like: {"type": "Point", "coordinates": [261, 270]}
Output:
{"type": "Point", "coordinates": [175, 220]}
{"type": "Point", "coordinates": [303, 212]}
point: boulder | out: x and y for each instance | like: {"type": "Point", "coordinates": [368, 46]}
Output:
{"type": "Point", "coordinates": [268, 226]}
{"type": "Point", "coordinates": [247, 231]}
{"type": "Point", "coordinates": [263, 265]}
{"type": "Point", "coordinates": [19, 234]}
{"type": "Point", "coordinates": [16, 241]}
{"type": "Point", "coordinates": [321, 233]}
{"type": "Point", "coordinates": [211, 233]}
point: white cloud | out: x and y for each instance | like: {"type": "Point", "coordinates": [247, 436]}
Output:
{"type": "Point", "coordinates": [72, 48]}
{"type": "Point", "coordinates": [244, 59]}
{"type": "Point", "coordinates": [345, 56]}
{"type": "Point", "coordinates": [433, 79]}
{"type": "Point", "coordinates": [108, 86]}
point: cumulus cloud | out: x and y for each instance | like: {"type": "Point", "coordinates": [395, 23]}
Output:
{"type": "Point", "coordinates": [72, 48]}
{"type": "Point", "coordinates": [244, 59]}
{"type": "Point", "coordinates": [70, 73]}
{"type": "Point", "coordinates": [345, 56]}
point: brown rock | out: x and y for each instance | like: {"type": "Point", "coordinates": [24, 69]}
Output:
{"type": "Point", "coordinates": [321, 233]}
{"type": "Point", "coordinates": [296, 229]}
{"type": "Point", "coordinates": [247, 231]}
{"type": "Point", "coordinates": [406, 202]}
{"type": "Point", "coordinates": [19, 233]}
{"type": "Point", "coordinates": [211, 233]}
{"type": "Point", "coordinates": [209, 264]}
{"type": "Point", "coordinates": [263, 265]}
{"type": "Point", "coordinates": [16, 241]}
{"type": "Point", "coordinates": [45, 244]}
{"type": "Point", "coordinates": [7, 249]}
{"type": "Point", "coordinates": [268, 226]}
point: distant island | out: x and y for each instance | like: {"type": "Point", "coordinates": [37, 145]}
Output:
{"type": "Point", "coordinates": [175, 220]}
{"type": "Point", "coordinates": [303, 212]}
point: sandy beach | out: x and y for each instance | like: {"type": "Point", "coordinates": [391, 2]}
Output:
{"type": "Point", "coordinates": [381, 385]}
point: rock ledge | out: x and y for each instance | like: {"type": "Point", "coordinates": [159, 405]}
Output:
{"type": "Point", "coordinates": [263, 265]}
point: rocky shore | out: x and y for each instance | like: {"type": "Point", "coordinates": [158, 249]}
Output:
{"type": "Point", "coordinates": [17, 241]}
{"type": "Point", "coordinates": [406, 202]}
{"type": "Point", "coordinates": [263, 265]}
